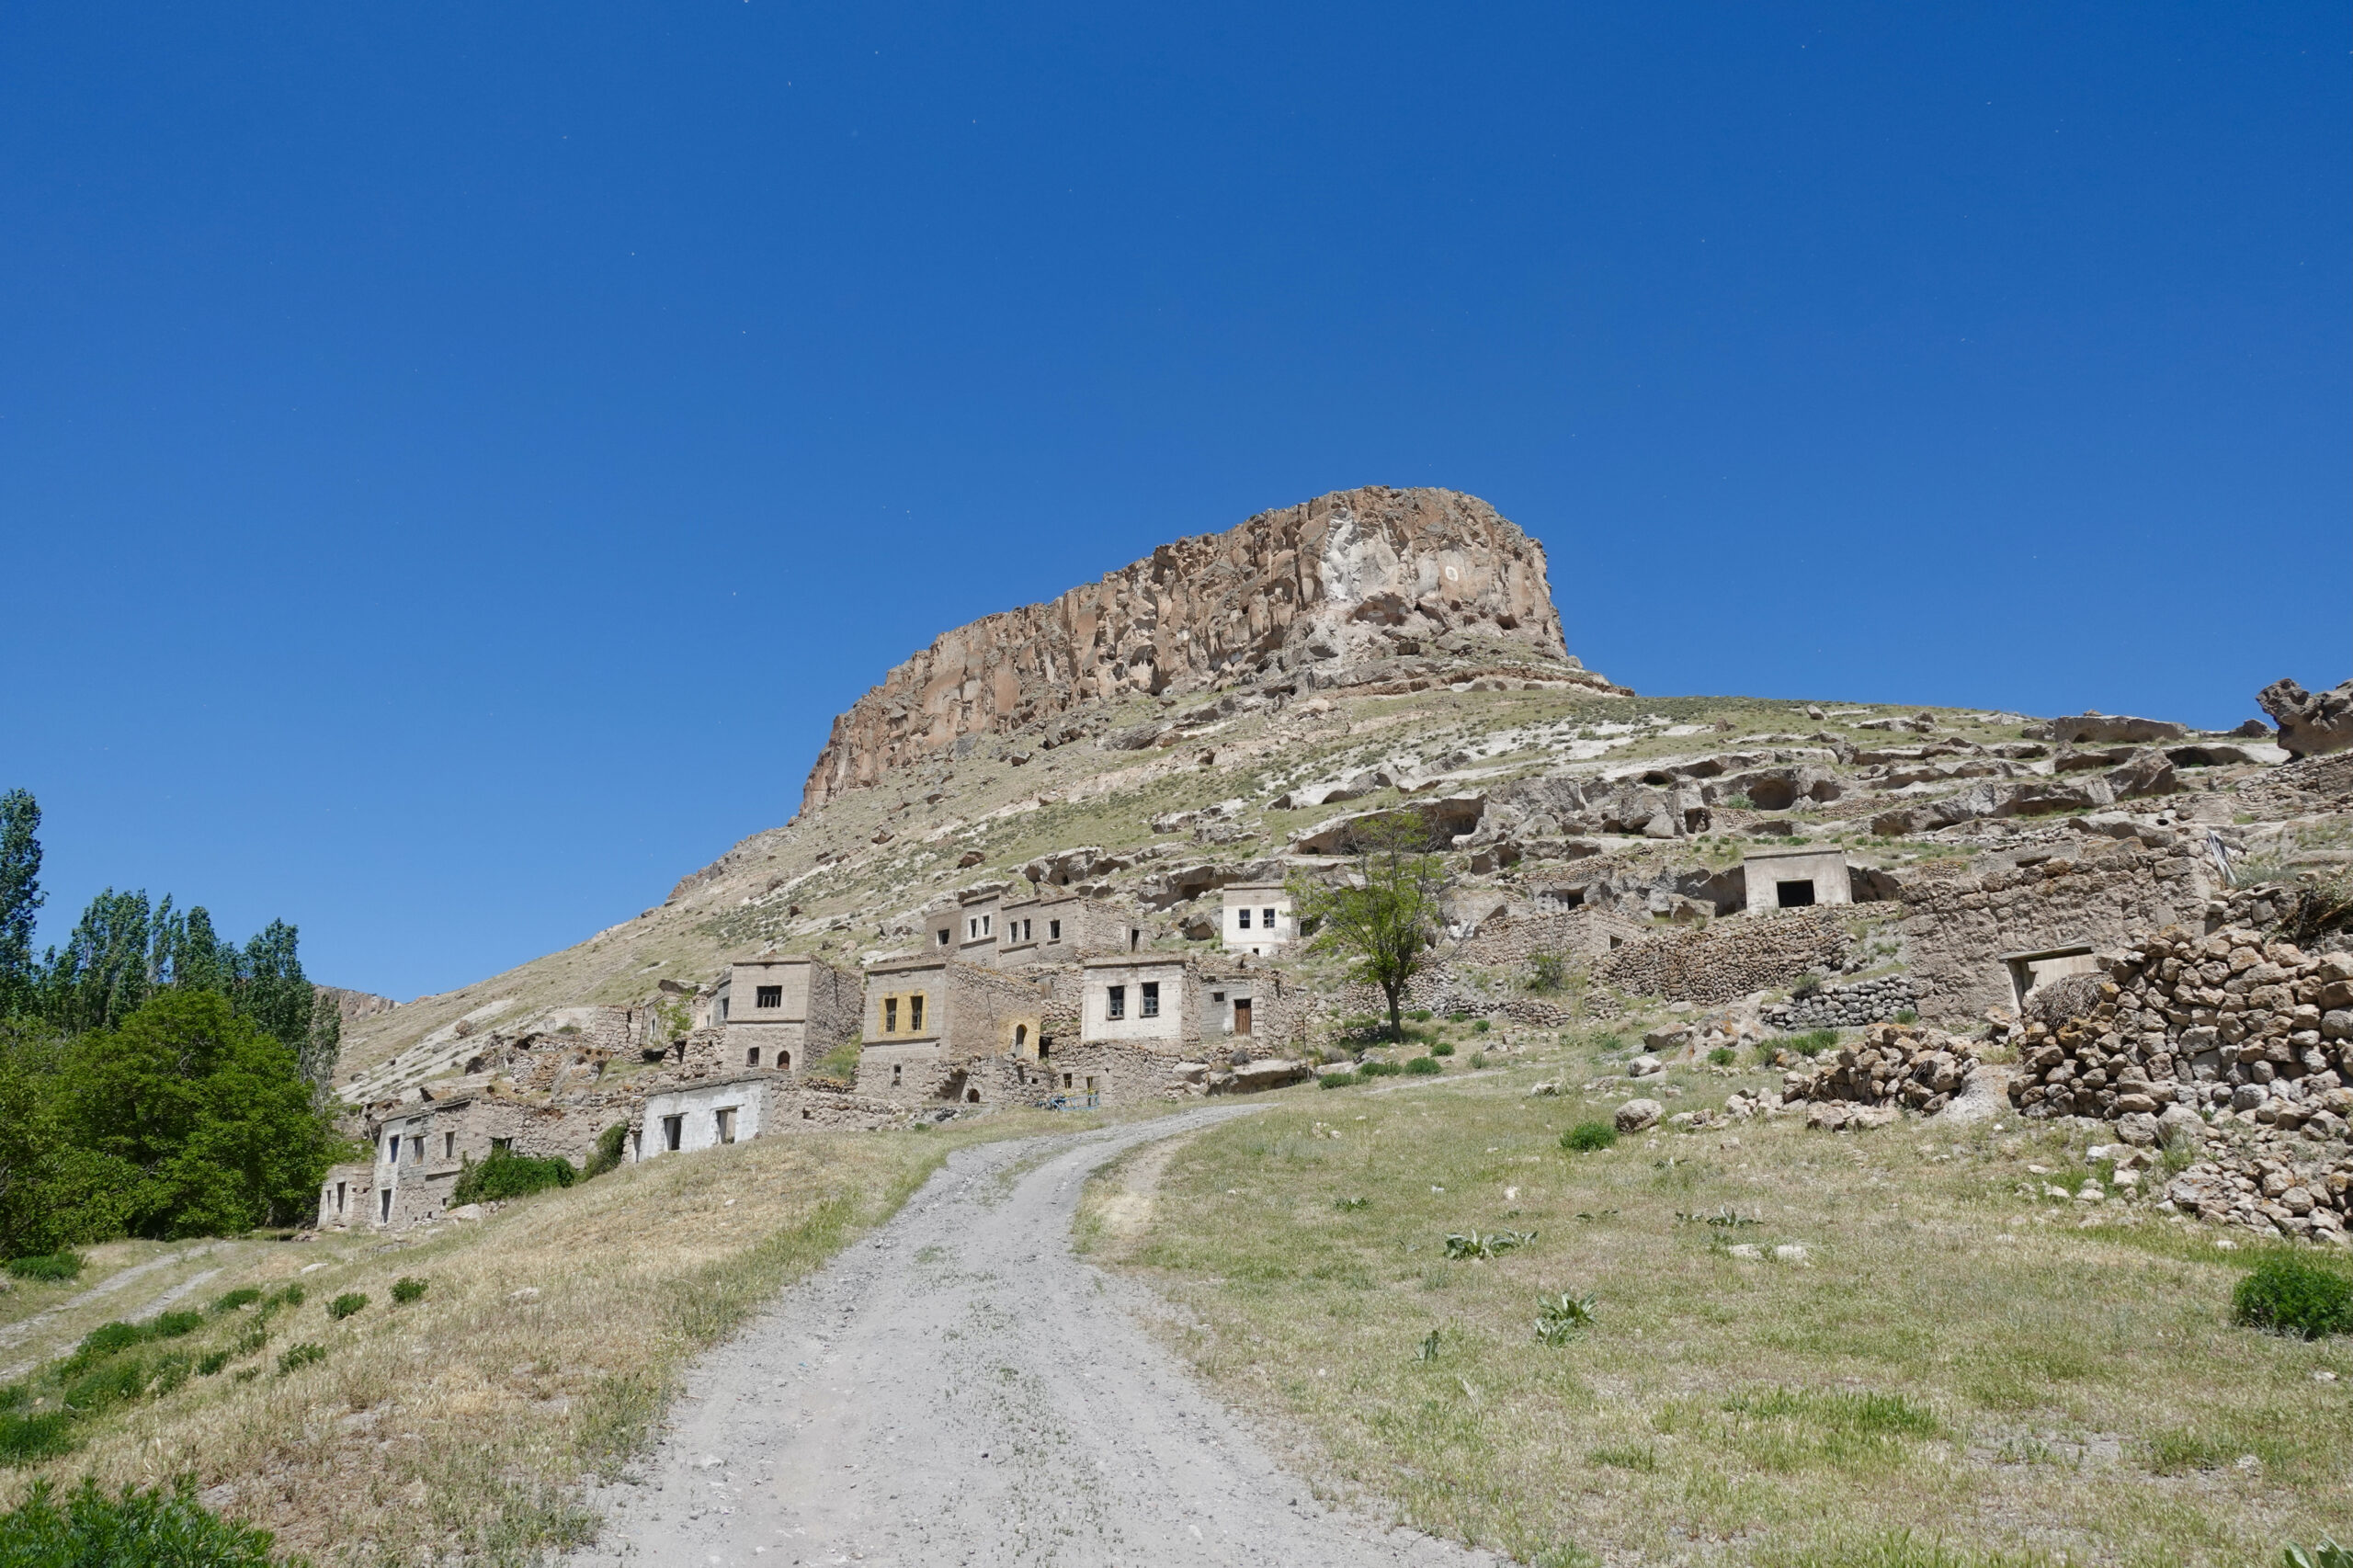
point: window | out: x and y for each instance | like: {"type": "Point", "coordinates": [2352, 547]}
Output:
{"type": "Point", "coordinates": [1115, 1001]}
{"type": "Point", "coordinates": [1150, 999]}
{"type": "Point", "coordinates": [943, 942]}
{"type": "Point", "coordinates": [723, 1008]}
{"type": "Point", "coordinates": [915, 1013]}
{"type": "Point", "coordinates": [1244, 915]}
{"type": "Point", "coordinates": [502, 1145]}
{"type": "Point", "coordinates": [1794, 895]}
{"type": "Point", "coordinates": [415, 1149]}
{"type": "Point", "coordinates": [392, 1150]}
{"type": "Point", "coordinates": [449, 1146]}
{"type": "Point", "coordinates": [752, 1057]}
{"type": "Point", "coordinates": [894, 1074]}
{"type": "Point", "coordinates": [673, 1128]}
{"type": "Point", "coordinates": [1020, 1036]}
{"type": "Point", "coordinates": [341, 1189]}
{"type": "Point", "coordinates": [1267, 919]}
{"type": "Point", "coordinates": [1053, 930]}
{"type": "Point", "coordinates": [1028, 930]}
{"type": "Point", "coordinates": [768, 997]}
{"type": "Point", "coordinates": [987, 922]}
{"type": "Point", "coordinates": [890, 1015]}
{"type": "Point", "coordinates": [972, 930]}
{"type": "Point", "coordinates": [1045, 1047]}
{"type": "Point", "coordinates": [724, 1119]}
{"type": "Point", "coordinates": [784, 1061]}
{"type": "Point", "coordinates": [1134, 937]}
{"type": "Point", "coordinates": [384, 1205]}
{"type": "Point", "coordinates": [1065, 1080]}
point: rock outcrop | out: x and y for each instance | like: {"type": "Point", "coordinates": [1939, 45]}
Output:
{"type": "Point", "coordinates": [2310, 722]}
{"type": "Point", "coordinates": [1314, 595]}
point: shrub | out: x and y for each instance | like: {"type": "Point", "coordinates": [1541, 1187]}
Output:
{"type": "Point", "coordinates": [1443, 1048]}
{"type": "Point", "coordinates": [117, 1382]}
{"type": "Point", "coordinates": [1809, 1044]}
{"type": "Point", "coordinates": [405, 1289]}
{"type": "Point", "coordinates": [507, 1175]}
{"type": "Point", "coordinates": [1422, 1067]}
{"type": "Point", "coordinates": [133, 1529]}
{"type": "Point", "coordinates": [289, 1296]}
{"type": "Point", "coordinates": [243, 1295]}
{"type": "Point", "coordinates": [171, 1326]}
{"type": "Point", "coordinates": [1421, 1014]}
{"type": "Point", "coordinates": [1480, 1026]}
{"type": "Point", "coordinates": [66, 1265]}
{"type": "Point", "coordinates": [299, 1357]}
{"type": "Point", "coordinates": [343, 1306]}
{"type": "Point", "coordinates": [1589, 1137]}
{"type": "Point", "coordinates": [610, 1143]}
{"type": "Point", "coordinates": [2288, 1295]}
{"type": "Point", "coordinates": [1377, 1069]}
{"type": "Point", "coordinates": [210, 1362]}
{"type": "Point", "coordinates": [1906, 1015]}
{"type": "Point", "coordinates": [1336, 1080]}
{"type": "Point", "coordinates": [1723, 1056]}
{"type": "Point", "coordinates": [29, 1440]}
{"type": "Point", "coordinates": [1547, 971]}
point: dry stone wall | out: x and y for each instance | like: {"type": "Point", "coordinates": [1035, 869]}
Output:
{"type": "Point", "coordinates": [1729, 958]}
{"type": "Point", "coordinates": [1903, 1065]}
{"type": "Point", "coordinates": [1844, 1006]}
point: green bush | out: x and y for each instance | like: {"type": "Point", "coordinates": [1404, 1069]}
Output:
{"type": "Point", "coordinates": [1809, 1044]}
{"type": "Point", "coordinates": [608, 1156]}
{"type": "Point", "coordinates": [1422, 1067]}
{"type": "Point", "coordinates": [29, 1440]}
{"type": "Point", "coordinates": [1421, 1014]}
{"type": "Point", "coordinates": [405, 1289]}
{"type": "Point", "coordinates": [1547, 971]}
{"type": "Point", "coordinates": [1443, 1048]}
{"type": "Point", "coordinates": [289, 1295]}
{"type": "Point", "coordinates": [343, 1306]}
{"type": "Point", "coordinates": [1480, 1026]}
{"type": "Point", "coordinates": [1906, 1015]}
{"type": "Point", "coordinates": [1723, 1056]}
{"type": "Point", "coordinates": [2288, 1295]}
{"type": "Point", "coordinates": [1589, 1137]}
{"type": "Point", "coordinates": [210, 1362]}
{"type": "Point", "coordinates": [296, 1357]}
{"type": "Point", "coordinates": [64, 1265]}
{"type": "Point", "coordinates": [172, 1326]}
{"type": "Point", "coordinates": [1336, 1080]}
{"type": "Point", "coordinates": [133, 1529]}
{"type": "Point", "coordinates": [1377, 1069]}
{"type": "Point", "coordinates": [507, 1175]}
{"type": "Point", "coordinates": [108, 1338]}
{"type": "Point", "coordinates": [119, 1381]}
{"type": "Point", "coordinates": [243, 1295]}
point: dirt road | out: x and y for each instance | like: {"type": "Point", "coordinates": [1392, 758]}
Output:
{"type": "Point", "coordinates": [961, 1389]}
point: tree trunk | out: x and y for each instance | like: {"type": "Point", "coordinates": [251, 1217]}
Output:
{"type": "Point", "coordinates": [1396, 1018]}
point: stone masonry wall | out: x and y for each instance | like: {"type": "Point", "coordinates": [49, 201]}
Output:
{"type": "Point", "coordinates": [1726, 959]}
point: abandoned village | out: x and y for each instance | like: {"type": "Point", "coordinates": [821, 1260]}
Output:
{"type": "Point", "coordinates": [1054, 859]}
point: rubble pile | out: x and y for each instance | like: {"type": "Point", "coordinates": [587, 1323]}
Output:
{"type": "Point", "coordinates": [2225, 1021]}
{"type": "Point", "coordinates": [2265, 1189]}
{"type": "Point", "coordinates": [1895, 1065]}
{"type": "Point", "coordinates": [1844, 1006]}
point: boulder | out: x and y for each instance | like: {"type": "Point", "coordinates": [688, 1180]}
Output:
{"type": "Point", "coordinates": [2109, 728]}
{"type": "Point", "coordinates": [2147, 773]}
{"type": "Point", "coordinates": [1644, 1067]}
{"type": "Point", "coordinates": [2137, 1127]}
{"type": "Point", "coordinates": [1639, 1115]}
{"type": "Point", "coordinates": [2312, 723]}
{"type": "Point", "coordinates": [1271, 1073]}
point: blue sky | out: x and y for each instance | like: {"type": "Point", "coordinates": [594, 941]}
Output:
{"type": "Point", "coordinates": [454, 461]}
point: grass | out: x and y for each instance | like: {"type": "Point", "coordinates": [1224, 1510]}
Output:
{"type": "Point", "coordinates": [547, 1349]}
{"type": "Point", "coordinates": [1955, 1374]}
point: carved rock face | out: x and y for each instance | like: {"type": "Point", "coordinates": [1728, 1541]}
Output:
{"type": "Point", "coordinates": [1295, 597]}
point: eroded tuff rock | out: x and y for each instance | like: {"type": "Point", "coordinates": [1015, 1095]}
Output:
{"type": "Point", "coordinates": [2310, 722]}
{"type": "Point", "coordinates": [1312, 595]}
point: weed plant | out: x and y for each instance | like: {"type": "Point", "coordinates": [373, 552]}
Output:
{"type": "Point", "coordinates": [1423, 1066]}
{"type": "Point", "coordinates": [345, 1305]}
{"type": "Point", "coordinates": [2285, 1294]}
{"type": "Point", "coordinates": [132, 1530]}
{"type": "Point", "coordinates": [406, 1290]}
{"type": "Point", "coordinates": [1589, 1138]}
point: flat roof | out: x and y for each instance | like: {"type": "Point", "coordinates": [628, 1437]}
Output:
{"type": "Point", "coordinates": [1130, 960]}
{"type": "Point", "coordinates": [1256, 887]}
{"type": "Point", "coordinates": [900, 966]}
{"type": "Point", "coordinates": [1813, 854]}
{"type": "Point", "coordinates": [763, 1074]}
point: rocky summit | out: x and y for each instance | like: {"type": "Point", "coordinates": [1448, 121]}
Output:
{"type": "Point", "coordinates": [1355, 587]}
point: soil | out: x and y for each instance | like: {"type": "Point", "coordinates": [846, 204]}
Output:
{"type": "Point", "coordinates": [961, 1387]}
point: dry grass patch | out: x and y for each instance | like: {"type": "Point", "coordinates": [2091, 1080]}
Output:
{"type": "Point", "coordinates": [1950, 1374]}
{"type": "Point", "coordinates": [547, 1343]}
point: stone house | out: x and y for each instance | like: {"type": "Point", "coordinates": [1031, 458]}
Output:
{"type": "Point", "coordinates": [784, 1012]}
{"type": "Point", "coordinates": [1256, 918]}
{"type": "Point", "coordinates": [1796, 878]}
{"type": "Point", "coordinates": [422, 1145]}
{"type": "Point", "coordinates": [941, 1029]}
{"type": "Point", "coordinates": [708, 1112]}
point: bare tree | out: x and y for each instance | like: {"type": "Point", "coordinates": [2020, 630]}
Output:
{"type": "Point", "coordinates": [1385, 919]}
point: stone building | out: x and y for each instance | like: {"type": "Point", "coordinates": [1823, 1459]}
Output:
{"type": "Point", "coordinates": [1796, 878]}
{"type": "Point", "coordinates": [422, 1145]}
{"type": "Point", "coordinates": [943, 1029]}
{"type": "Point", "coordinates": [784, 1012]}
{"type": "Point", "coordinates": [705, 1114]}
{"type": "Point", "coordinates": [1007, 931]}
{"type": "Point", "coordinates": [1256, 919]}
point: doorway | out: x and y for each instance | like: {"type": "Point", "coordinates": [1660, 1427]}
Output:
{"type": "Point", "coordinates": [1242, 1015]}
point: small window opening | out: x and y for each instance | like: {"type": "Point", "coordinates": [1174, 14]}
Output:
{"type": "Point", "coordinates": [804, 1114]}
{"type": "Point", "coordinates": [724, 1118]}
{"type": "Point", "coordinates": [449, 1146]}
{"type": "Point", "coordinates": [1115, 1003]}
{"type": "Point", "coordinates": [890, 1015]}
{"type": "Point", "coordinates": [342, 1190]}
{"type": "Point", "coordinates": [392, 1150]}
{"type": "Point", "coordinates": [384, 1204]}
{"type": "Point", "coordinates": [972, 1096]}
{"type": "Point", "coordinates": [1794, 895]}
{"type": "Point", "coordinates": [1151, 1008]}
{"type": "Point", "coordinates": [769, 996]}
{"type": "Point", "coordinates": [752, 1056]}
{"type": "Point", "coordinates": [1065, 1080]}
{"type": "Point", "coordinates": [1053, 930]}
{"type": "Point", "coordinates": [674, 1129]}
{"type": "Point", "coordinates": [894, 1074]}
{"type": "Point", "coordinates": [722, 1008]}
{"type": "Point", "coordinates": [1045, 1047]}
{"type": "Point", "coordinates": [502, 1145]}
{"type": "Point", "coordinates": [784, 1061]}
{"type": "Point", "coordinates": [988, 925]}
{"type": "Point", "coordinates": [943, 942]}
{"type": "Point", "coordinates": [1244, 915]}
{"type": "Point", "coordinates": [1267, 919]}
{"type": "Point", "coordinates": [914, 1012]}
{"type": "Point", "coordinates": [1134, 937]}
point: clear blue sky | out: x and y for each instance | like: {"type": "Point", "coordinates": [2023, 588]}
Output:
{"type": "Point", "coordinates": [454, 461]}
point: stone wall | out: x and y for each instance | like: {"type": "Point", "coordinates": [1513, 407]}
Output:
{"type": "Point", "coordinates": [1726, 959]}
{"type": "Point", "coordinates": [1574, 933]}
{"type": "Point", "coordinates": [1845, 1006]}
{"type": "Point", "coordinates": [1955, 932]}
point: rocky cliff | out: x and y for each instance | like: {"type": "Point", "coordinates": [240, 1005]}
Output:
{"type": "Point", "coordinates": [1318, 595]}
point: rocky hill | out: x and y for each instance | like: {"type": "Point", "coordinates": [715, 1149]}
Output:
{"type": "Point", "coordinates": [1223, 710]}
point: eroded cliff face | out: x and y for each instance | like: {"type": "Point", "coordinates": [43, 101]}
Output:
{"type": "Point", "coordinates": [1309, 595]}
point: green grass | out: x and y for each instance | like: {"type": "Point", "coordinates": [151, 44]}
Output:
{"type": "Point", "coordinates": [2289, 1294]}
{"type": "Point", "coordinates": [1920, 1389]}
{"type": "Point", "coordinates": [1589, 1137]}
{"type": "Point", "coordinates": [47, 1266]}
{"type": "Point", "coordinates": [132, 1528]}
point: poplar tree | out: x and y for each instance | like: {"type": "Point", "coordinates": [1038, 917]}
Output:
{"type": "Point", "coordinates": [20, 896]}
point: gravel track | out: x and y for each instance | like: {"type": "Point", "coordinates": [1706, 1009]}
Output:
{"type": "Point", "coordinates": [961, 1387]}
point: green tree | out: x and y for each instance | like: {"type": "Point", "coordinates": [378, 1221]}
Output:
{"type": "Point", "coordinates": [208, 1115]}
{"type": "Point", "coordinates": [53, 1193]}
{"type": "Point", "coordinates": [106, 969]}
{"type": "Point", "coordinates": [20, 897]}
{"type": "Point", "coordinates": [1386, 916]}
